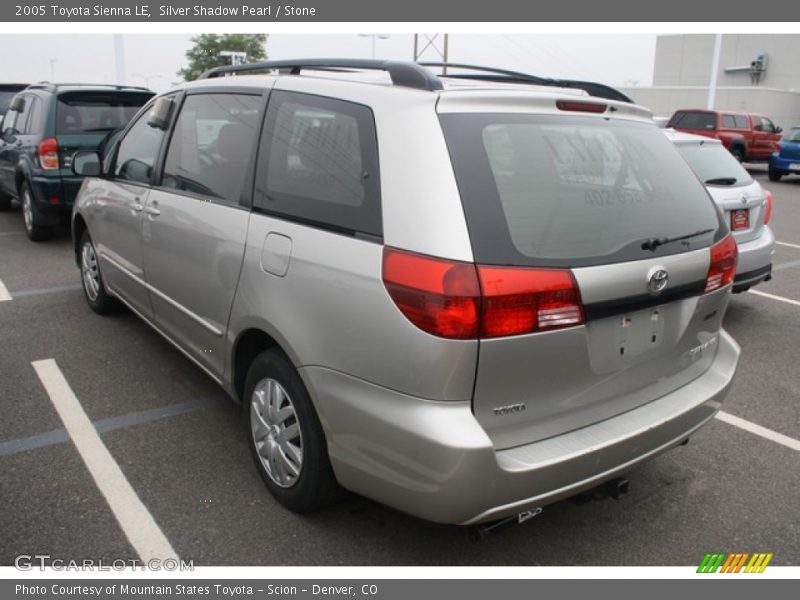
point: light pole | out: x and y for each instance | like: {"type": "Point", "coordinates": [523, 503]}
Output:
{"type": "Point", "coordinates": [374, 36]}
{"type": "Point", "coordinates": [146, 78]}
{"type": "Point", "coordinates": [53, 62]}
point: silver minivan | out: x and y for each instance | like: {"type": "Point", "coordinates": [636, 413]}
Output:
{"type": "Point", "coordinates": [459, 297]}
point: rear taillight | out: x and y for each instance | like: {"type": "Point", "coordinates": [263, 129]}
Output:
{"type": "Point", "coordinates": [722, 267]}
{"type": "Point", "coordinates": [517, 301]}
{"type": "Point", "coordinates": [48, 153]}
{"type": "Point", "coordinates": [459, 300]}
{"type": "Point", "coordinates": [439, 296]}
{"type": "Point", "coordinates": [768, 208]}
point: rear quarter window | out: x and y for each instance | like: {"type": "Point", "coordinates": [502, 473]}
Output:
{"type": "Point", "coordinates": [543, 190]}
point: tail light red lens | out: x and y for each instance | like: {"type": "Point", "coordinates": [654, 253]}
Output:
{"type": "Point", "coordinates": [439, 296]}
{"type": "Point", "coordinates": [590, 107]}
{"type": "Point", "coordinates": [518, 300]}
{"type": "Point", "coordinates": [459, 300]}
{"type": "Point", "coordinates": [48, 153]}
{"type": "Point", "coordinates": [768, 208]}
{"type": "Point", "coordinates": [722, 268]}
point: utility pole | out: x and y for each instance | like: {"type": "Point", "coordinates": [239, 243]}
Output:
{"type": "Point", "coordinates": [119, 59]}
{"type": "Point", "coordinates": [712, 84]}
{"type": "Point", "coordinates": [432, 44]}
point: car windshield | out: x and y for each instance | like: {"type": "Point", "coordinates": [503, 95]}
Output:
{"type": "Point", "coordinates": [793, 135]}
{"type": "Point", "coordinates": [714, 164]}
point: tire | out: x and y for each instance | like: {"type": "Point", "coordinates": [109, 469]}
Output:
{"type": "Point", "coordinates": [304, 481]}
{"type": "Point", "coordinates": [5, 202]}
{"type": "Point", "coordinates": [92, 281]}
{"type": "Point", "coordinates": [738, 153]}
{"type": "Point", "coordinates": [34, 231]}
{"type": "Point", "coordinates": [774, 175]}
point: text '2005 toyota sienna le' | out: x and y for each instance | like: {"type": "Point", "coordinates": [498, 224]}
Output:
{"type": "Point", "coordinates": [462, 298]}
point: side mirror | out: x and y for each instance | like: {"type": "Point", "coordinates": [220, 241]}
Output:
{"type": "Point", "coordinates": [17, 104]}
{"type": "Point", "coordinates": [159, 114]}
{"type": "Point", "coordinates": [779, 129]}
{"type": "Point", "coordinates": [86, 163]}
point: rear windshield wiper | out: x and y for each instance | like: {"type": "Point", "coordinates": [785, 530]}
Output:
{"type": "Point", "coordinates": [721, 181]}
{"type": "Point", "coordinates": [653, 243]}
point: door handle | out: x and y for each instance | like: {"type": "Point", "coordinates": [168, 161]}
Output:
{"type": "Point", "coordinates": [150, 210]}
{"type": "Point", "coordinates": [136, 206]}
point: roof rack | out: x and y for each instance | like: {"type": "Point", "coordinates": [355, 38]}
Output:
{"type": "Point", "coordinates": [599, 90]}
{"type": "Point", "coordinates": [51, 87]}
{"type": "Point", "coordinates": [406, 74]}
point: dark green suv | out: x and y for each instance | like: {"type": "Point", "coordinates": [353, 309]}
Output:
{"type": "Point", "coordinates": [43, 127]}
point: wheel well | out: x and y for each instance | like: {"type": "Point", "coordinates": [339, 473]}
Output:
{"type": "Point", "coordinates": [738, 144]}
{"type": "Point", "coordinates": [78, 227]}
{"type": "Point", "coordinates": [251, 343]}
{"type": "Point", "coordinates": [19, 179]}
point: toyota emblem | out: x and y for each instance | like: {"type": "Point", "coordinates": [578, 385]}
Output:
{"type": "Point", "coordinates": [657, 280]}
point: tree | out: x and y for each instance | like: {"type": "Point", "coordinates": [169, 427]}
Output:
{"type": "Point", "coordinates": [205, 53]}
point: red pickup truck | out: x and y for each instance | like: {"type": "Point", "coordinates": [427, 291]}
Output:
{"type": "Point", "coordinates": [750, 137]}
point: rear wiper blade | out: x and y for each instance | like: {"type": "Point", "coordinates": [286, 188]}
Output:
{"type": "Point", "coordinates": [653, 243]}
{"type": "Point", "coordinates": [721, 181]}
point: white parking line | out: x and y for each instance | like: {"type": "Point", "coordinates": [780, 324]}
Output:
{"type": "Point", "coordinates": [788, 244]}
{"type": "Point", "coordinates": [135, 520]}
{"type": "Point", "coordinates": [774, 297]}
{"type": "Point", "coordinates": [768, 434]}
{"type": "Point", "coordinates": [4, 295]}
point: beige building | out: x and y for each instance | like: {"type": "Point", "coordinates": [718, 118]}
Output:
{"type": "Point", "coordinates": [757, 73]}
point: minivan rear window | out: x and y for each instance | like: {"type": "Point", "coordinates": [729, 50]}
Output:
{"type": "Point", "coordinates": [86, 113]}
{"type": "Point", "coordinates": [552, 190]}
{"type": "Point", "coordinates": [714, 164]}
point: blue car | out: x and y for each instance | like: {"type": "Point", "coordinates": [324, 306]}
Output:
{"type": "Point", "coordinates": [786, 160]}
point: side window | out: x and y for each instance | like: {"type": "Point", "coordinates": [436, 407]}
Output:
{"type": "Point", "coordinates": [318, 162]}
{"type": "Point", "coordinates": [758, 124]}
{"type": "Point", "coordinates": [741, 122]}
{"type": "Point", "coordinates": [22, 116]}
{"type": "Point", "coordinates": [9, 121]}
{"type": "Point", "coordinates": [767, 125]}
{"type": "Point", "coordinates": [138, 151]}
{"type": "Point", "coordinates": [728, 121]}
{"type": "Point", "coordinates": [33, 123]}
{"type": "Point", "coordinates": [212, 144]}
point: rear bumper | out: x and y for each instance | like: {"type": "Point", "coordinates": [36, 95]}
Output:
{"type": "Point", "coordinates": [755, 260]}
{"type": "Point", "coordinates": [784, 165]}
{"type": "Point", "coordinates": [433, 460]}
{"type": "Point", "coordinates": [54, 197]}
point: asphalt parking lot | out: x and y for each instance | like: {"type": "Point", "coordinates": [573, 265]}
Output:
{"type": "Point", "coordinates": [180, 444]}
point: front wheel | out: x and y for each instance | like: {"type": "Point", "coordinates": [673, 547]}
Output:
{"type": "Point", "coordinates": [93, 289]}
{"type": "Point", "coordinates": [285, 436]}
{"type": "Point", "coordinates": [774, 175]}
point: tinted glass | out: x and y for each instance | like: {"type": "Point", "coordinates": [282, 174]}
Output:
{"type": "Point", "coordinates": [729, 121]}
{"type": "Point", "coordinates": [5, 100]}
{"type": "Point", "coordinates": [714, 164]}
{"type": "Point", "coordinates": [22, 116]}
{"type": "Point", "coordinates": [318, 162]}
{"type": "Point", "coordinates": [741, 122]}
{"type": "Point", "coordinates": [212, 144]}
{"type": "Point", "coordinates": [138, 151]}
{"type": "Point", "coordinates": [87, 112]}
{"type": "Point", "coordinates": [34, 122]}
{"type": "Point", "coordinates": [572, 191]}
{"type": "Point", "coordinates": [697, 120]}
{"type": "Point", "coordinates": [793, 135]}
{"type": "Point", "coordinates": [768, 125]}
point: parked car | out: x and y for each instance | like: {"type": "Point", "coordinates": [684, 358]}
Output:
{"type": "Point", "coordinates": [462, 299]}
{"type": "Point", "coordinates": [746, 205]}
{"type": "Point", "coordinates": [7, 93]}
{"type": "Point", "coordinates": [786, 160]}
{"type": "Point", "coordinates": [42, 128]}
{"type": "Point", "coordinates": [749, 137]}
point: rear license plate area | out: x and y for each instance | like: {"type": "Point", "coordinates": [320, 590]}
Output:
{"type": "Point", "coordinates": [740, 219]}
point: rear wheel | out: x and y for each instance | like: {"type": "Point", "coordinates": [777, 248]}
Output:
{"type": "Point", "coordinates": [30, 216]}
{"type": "Point", "coordinates": [93, 289]}
{"type": "Point", "coordinates": [775, 175]}
{"type": "Point", "coordinates": [285, 435]}
{"type": "Point", "coordinates": [738, 153]}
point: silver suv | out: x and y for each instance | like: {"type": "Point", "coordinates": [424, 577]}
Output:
{"type": "Point", "coordinates": [459, 297]}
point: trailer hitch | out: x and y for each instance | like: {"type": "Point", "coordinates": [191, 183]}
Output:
{"type": "Point", "coordinates": [479, 532]}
